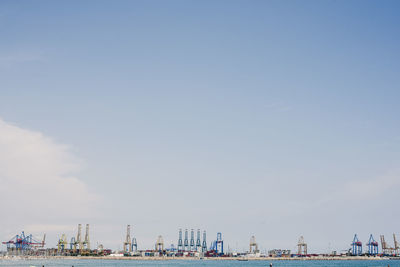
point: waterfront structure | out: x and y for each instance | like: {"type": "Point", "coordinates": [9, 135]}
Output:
{"type": "Point", "coordinates": [396, 246]}
{"type": "Point", "coordinates": [78, 244]}
{"type": "Point", "coordinates": [198, 241]}
{"type": "Point", "coordinates": [192, 244]}
{"type": "Point", "coordinates": [217, 247]}
{"type": "Point", "coordinates": [372, 246]}
{"type": "Point", "coordinates": [23, 243]}
{"type": "Point", "coordinates": [279, 253]}
{"type": "Point", "coordinates": [62, 244]}
{"type": "Point", "coordinates": [386, 249]}
{"type": "Point", "coordinates": [128, 242]}
{"type": "Point", "coordinates": [180, 243]}
{"type": "Point", "coordinates": [301, 247]}
{"type": "Point", "coordinates": [356, 246]}
{"type": "Point", "coordinates": [86, 242]}
{"type": "Point", "coordinates": [253, 245]}
{"type": "Point", "coordinates": [159, 244]}
{"type": "Point", "coordinates": [204, 244]}
{"type": "Point", "coordinates": [134, 245]}
{"type": "Point", "coordinates": [186, 241]}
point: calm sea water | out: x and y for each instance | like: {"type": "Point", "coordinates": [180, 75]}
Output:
{"type": "Point", "coordinates": [199, 263]}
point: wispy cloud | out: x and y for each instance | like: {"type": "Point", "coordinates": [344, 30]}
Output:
{"type": "Point", "coordinates": [361, 190]}
{"type": "Point", "coordinates": [278, 106]}
{"type": "Point", "coordinates": [38, 182]}
{"type": "Point", "coordinates": [19, 57]}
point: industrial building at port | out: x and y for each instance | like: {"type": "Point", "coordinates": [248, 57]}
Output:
{"type": "Point", "coordinates": [189, 244]}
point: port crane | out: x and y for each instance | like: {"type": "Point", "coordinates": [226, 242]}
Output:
{"type": "Point", "coordinates": [24, 242]}
{"type": "Point", "coordinates": [356, 246]}
{"type": "Point", "coordinates": [372, 246]}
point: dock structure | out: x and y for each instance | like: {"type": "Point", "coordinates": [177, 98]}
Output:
{"type": "Point", "coordinates": [127, 245]}
{"type": "Point", "coordinates": [192, 244]}
{"type": "Point", "coordinates": [253, 245]}
{"type": "Point", "coordinates": [396, 246]}
{"type": "Point", "coordinates": [301, 247]}
{"type": "Point", "coordinates": [23, 244]}
{"type": "Point", "coordinates": [356, 246]}
{"type": "Point", "coordinates": [386, 249]}
{"type": "Point", "coordinates": [217, 247]}
{"type": "Point", "coordinates": [86, 242]}
{"type": "Point", "coordinates": [62, 244]}
{"type": "Point", "coordinates": [198, 241]}
{"type": "Point", "coordinates": [78, 244]}
{"type": "Point", "coordinates": [159, 244]}
{"type": "Point", "coordinates": [134, 245]}
{"type": "Point", "coordinates": [372, 246]}
{"type": "Point", "coordinates": [204, 244]}
{"type": "Point", "coordinates": [180, 242]}
{"type": "Point", "coordinates": [186, 241]}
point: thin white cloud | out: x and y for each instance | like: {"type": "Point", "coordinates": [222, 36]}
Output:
{"type": "Point", "coordinates": [38, 187]}
{"type": "Point", "coordinates": [18, 57]}
{"type": "Point", "coordinates": [278, 106]}
{"type": "Point", "coordinates": [361, 190]}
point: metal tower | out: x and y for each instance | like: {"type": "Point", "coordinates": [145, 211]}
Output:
{"type": "Point", "coordinates": [24, 242]}
{"type": "Point", "coordinates": [186, 241]}
{"type": "Point", "coordinates": [192, 244]}
{"type": "Point", "coordinates": [396, 245]}
{"type": "Point", "coordinates": [159, 244]}
{"type": "Point", "coordinates": [86, 243]}
{"type": "Point", "coordinates": [62, 243]}
{"type": "Point", "coordinates": [134, 244]}
{"type": "Point", "coordinates": [301, 247]}
{"type": "Point", "coordinates": [386, 249]}
{"type": "Point", "coordinates": [78, 242]}
{"type": "Point", "coordinates": [198, 242]}
{"type": "Point", "coordinates": [219, 244]}
{"type": "Point", "coordinates": [128, 242]}
{"type": "Point", "coordinates": [72, 244]}
{"type": "Point", "coordinates": [204, 245]}
{"type": "Point", "coordinates": [253, 245]}
{"type": "Point", "coordinates": [356, 246]}
{"type": "Point", "coordinates": [180, 243]}
{"type": "Point", "coordinates": [372, 246]}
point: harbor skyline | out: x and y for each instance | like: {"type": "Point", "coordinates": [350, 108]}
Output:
{"type": "Point", "coordinates": [274, 119]}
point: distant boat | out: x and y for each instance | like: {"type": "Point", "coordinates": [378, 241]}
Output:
{"type": "Point", "coordinates": [243, 259]}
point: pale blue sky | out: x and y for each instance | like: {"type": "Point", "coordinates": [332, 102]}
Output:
{"type": "Point", "coordinates": [246, 117]}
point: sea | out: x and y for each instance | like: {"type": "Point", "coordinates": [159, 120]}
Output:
{"type": "Point", "coordinates": [194, 263]}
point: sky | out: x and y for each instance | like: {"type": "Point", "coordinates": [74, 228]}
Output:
{"type": "Point", "coordinates": [268, 118]}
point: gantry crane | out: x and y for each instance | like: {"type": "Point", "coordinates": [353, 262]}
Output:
{"type": "Point", "coordinates": [301, 247]}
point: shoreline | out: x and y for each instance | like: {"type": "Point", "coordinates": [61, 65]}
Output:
{"type": "Point", "coordinates": [362, 258]}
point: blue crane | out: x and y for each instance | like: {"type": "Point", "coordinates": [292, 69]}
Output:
{"type": "Point", "coordinates": [356, 246]}
{"type": "Point", "coordinates": [372, 246]}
